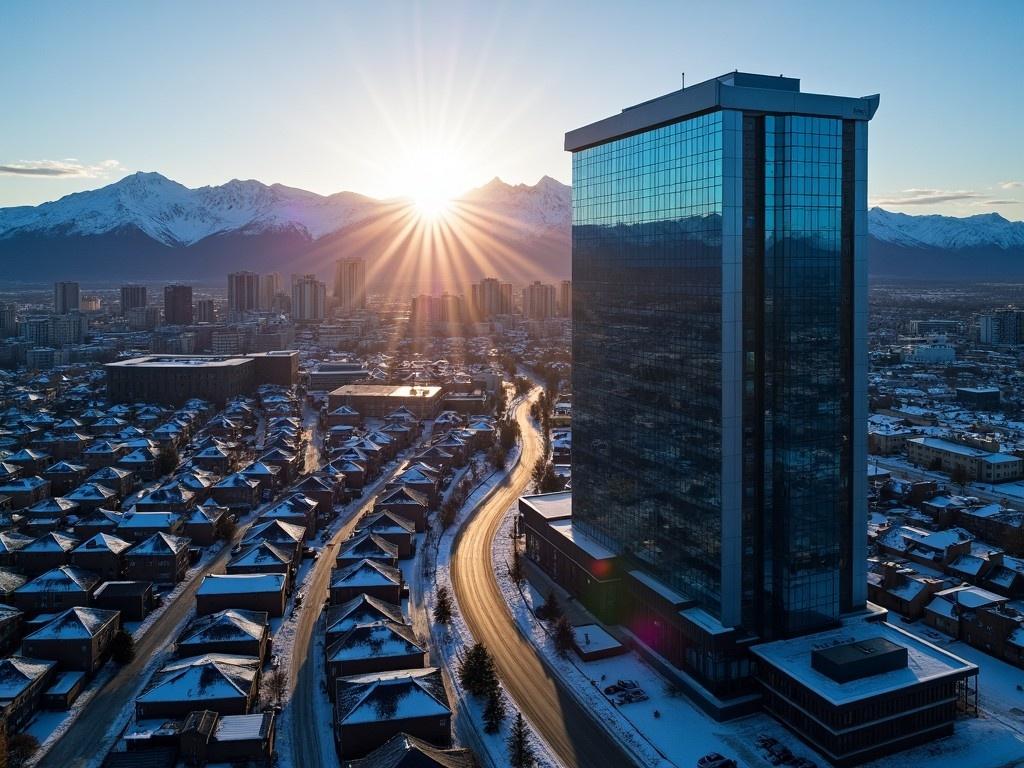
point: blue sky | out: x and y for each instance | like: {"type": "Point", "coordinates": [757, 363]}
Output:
{"type": "Point", "coordinates": [375, 96]}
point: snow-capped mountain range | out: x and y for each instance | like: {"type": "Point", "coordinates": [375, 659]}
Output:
{"type": "Point", "coordinates": [947, 232]}
{"type": "Point", "coordinates": [148, 226]}
{"type": "Point", "coordinates": [175, 215]}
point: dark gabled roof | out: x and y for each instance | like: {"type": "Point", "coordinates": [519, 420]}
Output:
{"type": "Point", "coordinates": [228, 625]}
{"type": "Point", "coordinates": [403, 494]}
{"type": "Point", "coordinates": [75, 624]}
{"type": "Point", "coordinates": [377, 640]}
{"type": "Point", "coordinates": [391, 696]}
{"type": "Point", "coordinates": [384, 520]}
{"type": "Point", "coordinates": [367, 545]}
{"type": "Point", "coordinates": [160, 544]}
{"type": "Point", "coordinates": [366, 573]}
{"type": "Point", "coordinates": [363, 609]}
{"type": "Point", "coordinates": [405, 751]}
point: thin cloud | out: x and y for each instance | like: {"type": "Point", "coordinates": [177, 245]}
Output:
{"type": "Point", "coordinates": [1003, 202]}
{"type": "Point", "coordinates": [928, 197]}
{"type": "Point", "coordinates": [54, 169]}
{"type": "Point", "coordinates": [1011, 184]}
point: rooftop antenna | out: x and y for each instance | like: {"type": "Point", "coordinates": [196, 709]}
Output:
{"type": "Point", "coordinates": [684, 80]}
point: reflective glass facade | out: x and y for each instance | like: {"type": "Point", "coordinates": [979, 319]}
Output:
{"type": "Point", "coordinates": [658, 425]}
{"type": "Point", "coordinates": [647, 295]}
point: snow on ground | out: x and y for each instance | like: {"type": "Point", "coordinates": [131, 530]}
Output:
{"type": "Point", "coordinates": [448, 643]}
{"type": "Point", "coordinates": [657, 740]}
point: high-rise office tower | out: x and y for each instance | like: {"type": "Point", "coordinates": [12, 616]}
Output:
{"type": "Point", "coordinates": [132, 296]}
{"type": "Point", "coordinates": [309, 298]}
{"type": "Point", "coordinates": [720, 359]}
{"type": "Point", "coordinates": [270, 286]}
{"type": "Point", "coordinates": [565, 298]}
{"type": "Point", "coordinates": [205, 311]}
{"type": "Point", "coordinates": [491, 297]}
{"type": "Point", "coordinates": [243, 292]}
{"type": "Point", "coordinates": [350, 284]}
{"type": "Point", "coordinates": [8, 320]}
{"type": "Point", "coordinates": [539, 301]}
{"type": "Point", "coordinates": [178, 304]}
{"type": "Point", "coordinates": [65, 297]}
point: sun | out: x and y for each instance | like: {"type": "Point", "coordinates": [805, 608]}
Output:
{"type": "Point", "coordinates": [433, 180]}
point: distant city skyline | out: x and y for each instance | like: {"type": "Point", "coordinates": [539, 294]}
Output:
{"type": "Point", "coordinates": [430, 100]}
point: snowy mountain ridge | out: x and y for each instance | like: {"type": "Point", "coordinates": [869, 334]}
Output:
{"type": "Point", "coordinates": [946, 232]}
{"type": "Point", "coordinates": [175, 215]}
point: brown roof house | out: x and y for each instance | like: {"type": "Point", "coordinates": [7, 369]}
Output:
{"type": "Point", "coordinates": [134, 599]}
{"type": "Point", "coordinates": [261, 557]}
{"type": "Point", "coordinates": [253, 592]}
{"type": "Point", "coordinates": [78, 639]}
{"type": "Point", "coordinates": [226, 684]}
{"type": "Point", "coordinates": [237, 491]}
{"type": "Point", "coordinates": [161, 558]}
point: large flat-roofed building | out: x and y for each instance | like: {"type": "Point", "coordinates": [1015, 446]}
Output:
{"type": "Point", "coordinates": [173, 379]}
{"type": "Point", "coordinates": [864, 690]}
{"type": "Point", "coordinates": [980, 465]}
{"type": "Point", "coordinates": [376, 401]}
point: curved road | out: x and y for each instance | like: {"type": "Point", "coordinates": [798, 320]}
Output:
{"type": "Point", "coordinates": [561, 721]}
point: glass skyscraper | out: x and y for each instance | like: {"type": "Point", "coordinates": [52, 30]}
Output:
{"type": "Point", "coordinates": [719, 351]}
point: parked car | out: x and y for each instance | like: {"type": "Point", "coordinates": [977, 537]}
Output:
{"type": "Point", "coordinates": [715, 760]}
{"type": "Point", "coordinates": [764, 741]}
{"type": "Point", "coordinates": [275, 661]}
{"type": "Point", "coordinates": [612, 689]}
{"type": "Point", "coordinates": [627, 684]}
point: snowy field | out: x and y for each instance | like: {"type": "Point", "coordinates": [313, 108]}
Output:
{"type": "Point", "coordinates": [682, 733]}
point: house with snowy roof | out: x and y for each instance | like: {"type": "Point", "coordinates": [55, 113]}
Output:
{"type": "Point", "coordinates": [403, 751]}
{"type": "Point", "coordinates": [103, 554]}
{"type": "Point", "coordinates": [136, 526]}
{"type": "Point", "coordinates": [899, 588]}
{"type": "Point", "coordinates": [233, 631]}
{"type": "Point", "coordinates": [48, 551]}
{"type": "Point", "coordinates": [226, 684]}
{"type": "Point", "coordinates": [362, 609]}
{"type": "Point", "coordinates": [407, 501]}
{"type": "Point", "coordinates": [285, 536]}
{"type": "Point", "coordinates": [237, 491]}
{"type": "Point", "coordinates": [262, 557]}
{"type": "Point", "coordinates": [25, 491]}
{"type": "Point", "coordinates": [392, 527]}
{"type": "Point", "coordinates": [366, 577]}
{"type": "Point", "coordinates": [209, 738]}
{"type": "Point", "coordinates": [121, 481]}
{"type": "Point", "coordinates": [367, 546]}
{"type": "Point", "coordinates": [161, 558]}
{"type": "Point", "coordinates": [65, 475]}
{"type": "Point", "coordinates": [253, 592]}
{"type": "Point", "coordinates": [22, 682]}
{"type": "Point", "coordinates": [371, 709]}
{"type": "Point", "coordinates": [56, 590]}
{"type": "Point", "coordinates": [376, 647]}
{"type": "Point", "coordinates": [77, 639]}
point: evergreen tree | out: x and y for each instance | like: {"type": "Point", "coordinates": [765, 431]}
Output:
{"type": "Point", "coordinates": [551, 610]}
{"type": "Point", "coordinates": [494, 712]}
{"type": "Point", "coordinates": [443, 609]}
{"type": "Point", "coordinates": [476, 671]}
{"type": "Point", "coordinates": [122, 647]}
{"type": "Point", "coordinates": [520, 751]}
{"type": "Point", "coordinates": [515, 571]}
{"type": "Point", "coordinates": [564, 635]}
